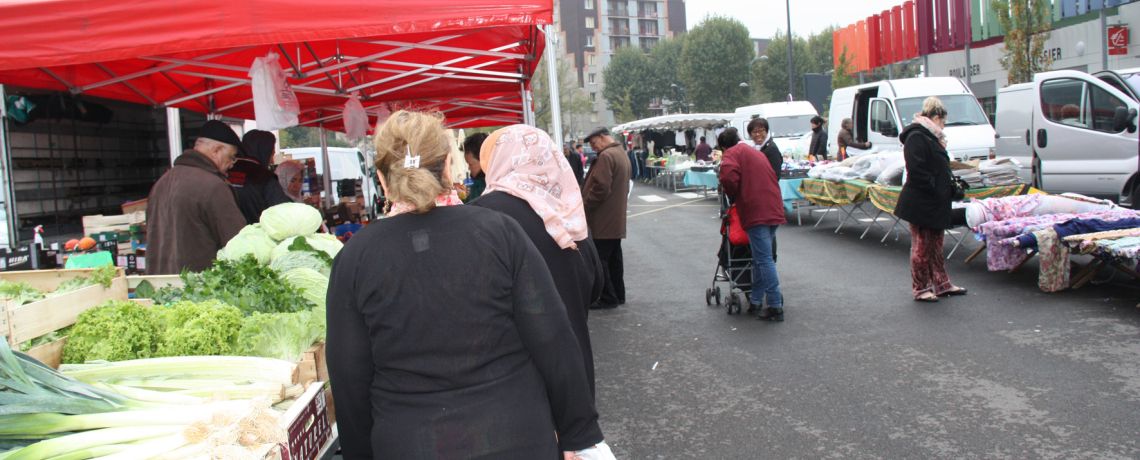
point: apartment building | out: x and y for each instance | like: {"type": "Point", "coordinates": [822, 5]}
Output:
{"type": "Point", "coordinates": [592, 30]}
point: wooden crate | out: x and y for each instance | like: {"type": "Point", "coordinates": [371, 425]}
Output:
{"type": "Point", "coordinates": [158, 281]}
{"type": "Point", "coordinates": [134, 206]}
{"type": "Point", "coordinates": [20, 323]}
{"type": "Point", "coordinates": [313, 368]}
{"type": "Point", "coordinates": [100, 223]}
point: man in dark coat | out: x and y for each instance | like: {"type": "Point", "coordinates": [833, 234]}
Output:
{"type": "Point", "coordinates": [606, 197]}
{"type": "Point", "coordinates": [818, 149]}
{"type": "Point", "coordinates": [847, 139]}
{"type": "Point", "coordinates": [191, 212]}
{"type": "Point", "coordinates": [703, 151]}
{"type": "Point", "coordinates": [256, 188]}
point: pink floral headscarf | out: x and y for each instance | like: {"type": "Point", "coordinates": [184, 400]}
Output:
{"type": "Point", "coordinates": [524, 162]}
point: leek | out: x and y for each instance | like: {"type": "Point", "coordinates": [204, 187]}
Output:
{"type": "Point", "coordinates": [98, 451]}
{"type": "Point", "coordinates": [42, 424]}
{"type": "Point", "coordinates": [231, 368]}
{"type": "Point", "coordinates": [148, 395]}
{"type": "Point", "coordinates": [44, 450]}
{"type": "Point", "coordinates": [28, 387]}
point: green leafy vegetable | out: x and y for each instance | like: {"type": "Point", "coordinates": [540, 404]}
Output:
{"type": "Point", "coordinates": [281, 335]}
{"type": "Point", "coordinates": [20, 292]}
{"type": "Point", "coordinates": [251, 240]}
{"type": "Point", "coordinates": [71, 285]}
{"type": "Point", "coordinates": [199, 329]}
{"type": "Point", "coordinates": [326, 243]}
{"type": "Point", "coordinates": [290, 219]}
{"type": "Point", "coordinates": [244, 284]}
{"type": "Point", "coordinates": [144, 290]}
{"type": "Point", "coordinates": [301, 259]}
{"type": "Point", "coordinates": [105, 275]}
{"type": "Point", "coordinates": [115, 331]}
{"type": "Point", "coordinates": [312, 284]}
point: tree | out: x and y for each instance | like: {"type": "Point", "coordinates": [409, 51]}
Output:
{"type": "Point", "coordinates": [1027, 24]}
{"type": "Point", "coordinates": [773, 74]}
{"type": "Point", "coordinates": [629, 84]}
{"type": "Point", "coordinates": [665, 58]}
{"type": "Point", "coordinates": [572, 100]}
{"type": "Point", "coordinates": [714, 62]}
{"type": "Point", "coordinates": [842, 76]}
{"type": "Point", "coordinates": [822, 49]}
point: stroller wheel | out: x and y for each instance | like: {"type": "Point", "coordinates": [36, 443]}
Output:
{"type": "Point", "coordinates": [738, 302]}
{"type": "Point", "coordinates": [708, 296]}
{"type": "Point", "coordinates": [716, 294]}
{"type": "Point", "coordinates": [728, 304]}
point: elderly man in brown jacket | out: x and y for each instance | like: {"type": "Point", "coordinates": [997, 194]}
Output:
{"type": "Point", "coordinates": [606, 195]}
{"type": "Point", "coordinates": [192, 212]}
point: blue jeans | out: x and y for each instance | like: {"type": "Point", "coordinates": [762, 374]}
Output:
{"type": "Point", "coordinates": [765, 282]}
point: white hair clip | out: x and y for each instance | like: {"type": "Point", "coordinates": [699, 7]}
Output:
{"type": "Point", "coordinates": [411, 161]}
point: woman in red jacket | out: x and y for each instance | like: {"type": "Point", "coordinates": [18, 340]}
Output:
{"type": "Point", "coordinates": [753, 186]}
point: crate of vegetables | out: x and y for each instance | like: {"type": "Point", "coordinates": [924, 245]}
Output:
{"type": "Point", "coordinates": [39, 303]}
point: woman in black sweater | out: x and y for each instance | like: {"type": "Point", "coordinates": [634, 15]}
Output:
{"type": "Point", "coordinates": [429, 361]}
{"type": "Point", "coordinates": [925, 201]}
{"type": "Point", "coordinates": [526, 178]}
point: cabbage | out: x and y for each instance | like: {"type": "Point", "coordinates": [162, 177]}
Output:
{"type": "Point", "coordinates": [251, 240]}
{"type": "Point", "coordinates": [282, 248]}
{"type": "Point", "coordinates": [312, 284]}
{"type": "Point", "coordinates": [325, 242]}
{"type": "Point", "coordinates": [300, 259]}
{"type": "Point", "coordinates": [281, 335]}
{"type": "Point", "coordinates": [290, 219]}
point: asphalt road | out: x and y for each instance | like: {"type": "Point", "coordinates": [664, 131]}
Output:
{"type": "Point", "coordinates": [858, 369]}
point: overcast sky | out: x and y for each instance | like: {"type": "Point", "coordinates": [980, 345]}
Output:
{"type": "Point", "coordinates": [764, 17]}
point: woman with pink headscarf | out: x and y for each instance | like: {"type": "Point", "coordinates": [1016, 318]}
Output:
{"type": "Point", "coordinates": [530, 180]}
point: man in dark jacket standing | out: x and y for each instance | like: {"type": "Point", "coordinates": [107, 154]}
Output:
{"type": "Point", "coordinates": [818, 149]}
{"type": "Point", "coordinates": [753, 186]}
{"type": "Point", "coordinates": [191, 212]}
{"type": "Point", "coordinates": [847, 139]}
{"type": "Point", "coordinates": [605, 197]}
{"type": "Point", "coordinates": [256, 188]}
{"type": "Point", "coordinates": [703, 151]}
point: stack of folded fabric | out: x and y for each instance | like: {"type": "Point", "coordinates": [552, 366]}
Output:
{"type": "Point", "coordinates": [996, 173]}
{"type": "Point", "coordinates": [971, 176]}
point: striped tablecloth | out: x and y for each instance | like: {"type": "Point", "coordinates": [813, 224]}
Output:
{"type": "Point", "coordinates": [887, 198]}
{"type": "Point", "coordinates": [827, 193]}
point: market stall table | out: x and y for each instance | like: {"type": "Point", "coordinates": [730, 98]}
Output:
{"type": "Point", "coordinates": [793, 199]}
{"type": "Point", "coordinates": [832, 195]}
{"type": "Point", "coordinates": [705, 179]}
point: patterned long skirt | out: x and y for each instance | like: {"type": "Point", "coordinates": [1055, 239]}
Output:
{"type": "Point", "coordinates": [927, 265]}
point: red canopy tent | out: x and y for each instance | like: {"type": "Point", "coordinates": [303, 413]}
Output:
{"type": "Point", "coordinates": [470, 60]}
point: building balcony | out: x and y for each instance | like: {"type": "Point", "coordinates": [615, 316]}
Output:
{"type": "Point", "coordinates": [648, 32]}
{"type": "Point", "coordinates": [619, 31]}
{"type": "Point", "coordinates": [647, 14]}
{"type": "Point", "coordinates": [618, 13]}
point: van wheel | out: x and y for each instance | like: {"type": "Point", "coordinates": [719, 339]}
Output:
{"type": "Point", "coordinates": [1037, 173]}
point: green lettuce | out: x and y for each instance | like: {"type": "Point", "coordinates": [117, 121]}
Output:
{"type": "Point", "coordinates": [208, 328]}
{"type": "Point", "coordinates": [115, 331]}
{"type": "Point", "coordinates": [21, 292]}
{"type": "Point", "coordinates": [281, 335]}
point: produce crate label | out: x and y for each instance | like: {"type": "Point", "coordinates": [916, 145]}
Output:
{"type": "Point", "coordinates": [310, 429]}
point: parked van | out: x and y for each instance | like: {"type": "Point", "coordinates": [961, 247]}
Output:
{"type": "Point", "coordinates": [346, 163]}
{"type": "Point", "coordinates": [880, 110]}
{"type": "Point", "coordinates": [787, 121]}
{"type": "Point", "coordinates": [1073, 132]}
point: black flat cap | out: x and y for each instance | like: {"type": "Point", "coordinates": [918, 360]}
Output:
{"type": "Point", "coordinates": [597, 132]}
{"type": "Point", "coordinates": [221, 132]}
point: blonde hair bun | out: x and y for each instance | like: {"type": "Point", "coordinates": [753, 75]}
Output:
{"type": "Point", "coordinates": [424, 135]}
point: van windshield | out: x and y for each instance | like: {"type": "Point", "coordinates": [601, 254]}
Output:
{"type": "Point", "coordinates": [1133, 80]}
{"type": "Point", "coordinates": [962, 110]}
{"type": "Point", "coordinates": [790, 126]}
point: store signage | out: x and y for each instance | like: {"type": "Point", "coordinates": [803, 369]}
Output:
{"type": "Point", "coordinates": [960, 72]}
{"type": "Point", "coordinates": [1118, 41]}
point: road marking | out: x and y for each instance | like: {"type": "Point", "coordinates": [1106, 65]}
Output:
{"type": "Point", "coordinates": [662, 208]}
{"type": "Point", "coordinates": [687, 195]}
{"type": "Point", "coordinates": [651, 198]}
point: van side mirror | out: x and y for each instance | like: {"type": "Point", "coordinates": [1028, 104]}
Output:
{"type": "Point", "coordinates": [1124, 120]}
{"type": "Point", "coordinates": [891, 131]}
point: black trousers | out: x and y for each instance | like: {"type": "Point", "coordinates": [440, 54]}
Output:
{"type": "Point", "coordinates": [613, 267]}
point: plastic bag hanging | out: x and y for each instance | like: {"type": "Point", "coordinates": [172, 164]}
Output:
{"type": "Point", "coordinates": [382, 114]}
{"type": "Point", "coordinates": [275, 105]}
{"type": "Point", "coordinates": [355, 118]}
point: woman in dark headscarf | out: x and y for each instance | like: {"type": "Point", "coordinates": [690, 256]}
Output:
{"type": "Point", "coordinates": [530, 181]}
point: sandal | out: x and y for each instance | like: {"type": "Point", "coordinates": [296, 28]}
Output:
{"type": "Point", "coordinates": [955, 291]}
{"type": "Point", "coordinates": [929, 298]}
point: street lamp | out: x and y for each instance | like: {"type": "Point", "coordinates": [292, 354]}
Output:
{"type": "Point", "coordinates": [791, 64]}
{"type": "Point", "coordinates": [691, 107]}
{"type": "Point", "coordinates": [753, 61]}
{"type": "Point", "coordinates": [746, 85]}
{"type": "Point", "coordinates": [682, 91]}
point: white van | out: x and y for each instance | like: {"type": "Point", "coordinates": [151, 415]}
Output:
{"type": "Point", "coordinates": [880, 110]}
{"type": "Point", "coordinates": [787, 121]}
{"type": "Point", "coordinates": [346, 163]}
{"type": "Point", "coordinates": [1073, 132]}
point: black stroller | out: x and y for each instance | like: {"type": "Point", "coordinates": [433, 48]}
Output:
{"type": "Point", "coordinates": [734, 267]}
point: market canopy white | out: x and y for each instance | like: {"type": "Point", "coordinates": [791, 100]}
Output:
{"type": "Point", "coordinates": [678, 122]}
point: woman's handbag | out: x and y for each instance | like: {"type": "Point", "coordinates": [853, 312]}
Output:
{"type": "Point", "coordinates": [736, 234]}
{"type": "Point", "coordinates": [958, 188]}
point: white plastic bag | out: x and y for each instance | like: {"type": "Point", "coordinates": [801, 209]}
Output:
{"type": "Point", "coordinates": [801, 150]}
{"type": "Point", "coordinates": [599, 452]}
{"type": "Point", "coordinates": [355, 119]}
{"type": "Point", "coordinates": [275, 105]}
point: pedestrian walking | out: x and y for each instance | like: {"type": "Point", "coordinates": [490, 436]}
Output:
{"type": "Point", "coordinates": [753, 187]}
{"type": "Point", "coordinates": [528, 182]}
{"type": "Point", "coordinates": [433, 362]}
{"type": "Point", "coordinates": [703, 151]}
{"type": "Point", "coordinates": [847, 139]}
{"type": "Point", "coordinates": [925, 200]}
{"type": "Point", "coordinates": [606, 198]}
{"type": "Point", "coordinates": [818, 149]}
{"type": "Point", "coordinates": [576, 165]}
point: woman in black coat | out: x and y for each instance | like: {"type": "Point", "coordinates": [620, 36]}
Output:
{"type": "Point", "coordinates": [524, 179]}
{"type": "Point", "coordinates": [925, 201]}
{"type": "Point", "coordinates": [429, 361]}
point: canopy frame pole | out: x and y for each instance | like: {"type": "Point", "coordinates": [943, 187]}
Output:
{"type": "Point", "coordinates": [204, 93]}
{"type": "Point", "coordinates": [325, 164]}
{"type": "Point", "coordinates": [162, 68]}
{"type": "Point", "coordinates": [528, 104]}
{"type": "Point", "coordinates": [174, 132]}
{"type": "Point", "coordinates": [10, 218]}
{"type": "Point", "coordinates": [72, 88]}
{"type": "Point", "coordinates": [422, 70]}
{"type": "Point", "coordinates": [127, 84]}
{"type": "Point", "coordinates": [451, 49]}
{"type": "Point", "coordinates": [555, 90]}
